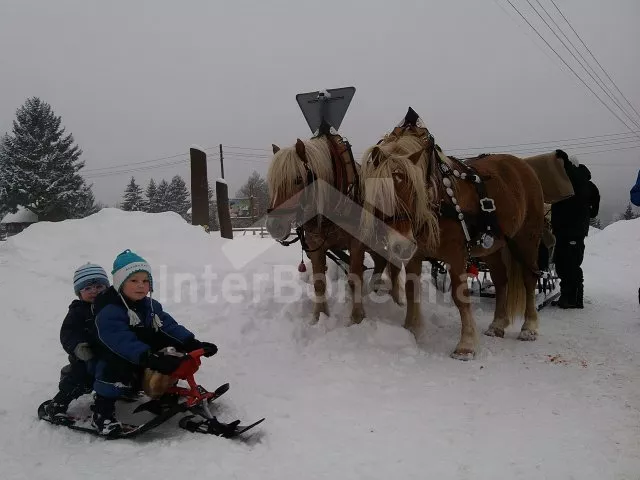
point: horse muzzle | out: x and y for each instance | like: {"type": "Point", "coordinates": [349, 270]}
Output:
{"type": "Point", "coordinates": [400, 247]}
{"type": "Point", "coordinates": [279, 227]}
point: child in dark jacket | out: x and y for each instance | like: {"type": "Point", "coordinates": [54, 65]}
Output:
{"type": "Point", "coordinates": [75, 335]}
{"type": "Point", "coordinates": [130, 329]}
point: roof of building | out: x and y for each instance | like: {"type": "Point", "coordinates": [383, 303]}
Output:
{"type": "Point", "coordinates": [23, 215]}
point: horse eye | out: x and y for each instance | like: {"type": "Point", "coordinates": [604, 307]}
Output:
{"type": "Point", "coordinates": [397, 178]}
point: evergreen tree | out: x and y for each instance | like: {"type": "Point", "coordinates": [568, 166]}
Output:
{"type": "Point", "coordinates": [39, 165]}
{"type": "Point", "coordinates": [89, 206]}
{"type": "Point", "coordinates": [152, 197]}
{"type": "Point", "coordinates": [178, 196]}
{"type": "Point", "coordinates": [629, 214]}
{"type": "Point", "coordinates": [596, 223]}
{"type": "Point", "coordinates": [133, 201]}
{"type": "Point", "coordinates": [257, 188]}
{"type": "Point", "coordinates": [162, 197]}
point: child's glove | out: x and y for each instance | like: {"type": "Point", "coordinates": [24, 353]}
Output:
{"type": "Point", "coordinates": [166, 364]}
{"type": "Point", "coordinates": [209, 348]}
{"type": "Point", "coordinates": [83, 352]}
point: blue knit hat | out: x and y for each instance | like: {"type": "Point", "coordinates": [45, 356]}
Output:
{"type": "Point", "coordinates": [125, 265]}
{"type": "Point", "coordinates": [89, 274]}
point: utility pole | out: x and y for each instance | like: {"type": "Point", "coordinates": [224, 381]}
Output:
{"type": "Point", "coordinates": [221, 162]}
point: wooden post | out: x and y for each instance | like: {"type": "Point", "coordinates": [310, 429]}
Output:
{"type": "Point", "coordinates": [222, 198]}
{"type": "Point", "coordinates": [199, 194]}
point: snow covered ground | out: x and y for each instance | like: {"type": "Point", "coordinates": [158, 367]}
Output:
{"type": "Point", "coordinates": [342, 402]}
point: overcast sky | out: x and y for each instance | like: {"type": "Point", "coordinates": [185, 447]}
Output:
{"type": "Point", "coordinates": [142, 80]}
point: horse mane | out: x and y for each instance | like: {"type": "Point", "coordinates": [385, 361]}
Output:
{"type": "Point", "coordinates": [379, 163]}
{"type": "Point", "coordinates": [286, 167]}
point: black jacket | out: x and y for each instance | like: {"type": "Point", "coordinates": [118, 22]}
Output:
{"type": "Point", "coordinates": [76, 326]}
{"type": "Point", "coordinates": [570, 217]}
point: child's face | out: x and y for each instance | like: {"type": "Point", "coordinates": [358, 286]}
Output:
{"type": "Point", "coordinates": [137, 286]}
{"type": "Point", "coordinates": [89, 293]}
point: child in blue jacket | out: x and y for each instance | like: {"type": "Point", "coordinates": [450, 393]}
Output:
{"type": "Point", "coordinates": [130, 328]}
{"type": "Point", "coordinates": [75, 335]}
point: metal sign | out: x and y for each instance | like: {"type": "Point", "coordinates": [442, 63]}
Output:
{"type": "Point", "coordinates": [324, 110]}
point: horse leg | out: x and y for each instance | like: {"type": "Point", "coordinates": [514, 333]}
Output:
{"type": "Point", "coordinates": [498, 272]}
{"type": "Point", "coordinates": [394, 274]}
{"type": "Point", "coordinates": [413, 319]}
{"type": "Point", "coordinates": [379, 262]}
{"type": "Point", "coordinates": [529, 331]}
{"type": "Point", "coordinates": [319, 266]}
{"type": "Point", "coordinates": [466, 348]}
{"type": "Point", "coordinates": [529, 245]}
{"type": "Point", "coordinates": [356, 270]}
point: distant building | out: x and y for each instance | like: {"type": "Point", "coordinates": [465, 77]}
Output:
{"type": "Point", "coordinates": [14, 223]}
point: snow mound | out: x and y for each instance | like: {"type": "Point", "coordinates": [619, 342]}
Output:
{"type": "Point", "coordinates": [341, 400]}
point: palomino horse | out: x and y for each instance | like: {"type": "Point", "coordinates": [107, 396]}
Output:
{"type": "Point", "coordinates": [490, 207]}
{"type": "Point", "coordinates": [305, 193]}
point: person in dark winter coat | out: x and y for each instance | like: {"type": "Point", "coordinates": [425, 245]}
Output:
{"type": "Point", "coordinates": [570, 224]}
{"type": "Point", "coordinates": [634, 194]}
{"type": "Point", "coordinates": [75, 335]}
{"type": "Point", "coordinates": [130, 330]}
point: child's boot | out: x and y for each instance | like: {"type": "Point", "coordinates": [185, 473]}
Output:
{"type": "Point", "coordinates": [104, 419]}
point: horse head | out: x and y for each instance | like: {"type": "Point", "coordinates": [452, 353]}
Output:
{"type": "Point", "coordinates": [394, 189]}
{"type": "Point", "coordinates": [292, 181]}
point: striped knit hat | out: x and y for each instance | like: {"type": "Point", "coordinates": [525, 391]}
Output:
{"type": "Point", "coordinates": [89, 274]}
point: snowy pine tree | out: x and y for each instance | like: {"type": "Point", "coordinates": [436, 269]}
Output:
{"type": "Point", "coordinates": [133, 201]}
{"type": "Point", "coordinates": [152, 197]}
{"type": "Point", "coordinates": [178, 196]}
{"type": "Point", "coordinates": [595, 223]}
{"type": "Point", "coordinates": [256, 187]}
{"type": "Point", "coordinates": [39, 166]}
{"type": "Point", "coordinates": [629, 214]}
{"type": "Point", "coordinates": [88, 205]}
{"type": "Point", "coordinates": [162, 197]}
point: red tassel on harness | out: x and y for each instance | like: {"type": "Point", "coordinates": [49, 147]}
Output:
{"type": "Point", "coordinates": [302, 267]}
{"type": "Point", "coordinates": [473, 270]}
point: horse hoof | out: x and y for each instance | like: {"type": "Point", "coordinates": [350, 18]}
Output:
{"type": "Point", "coordinates": [357, 318]}
{"type": "Point", "coordinates": [527, 336]}
{"type": "Point", "coordinates": [494, 332]}
{"type": "Point", "coordinates": [464, 354]}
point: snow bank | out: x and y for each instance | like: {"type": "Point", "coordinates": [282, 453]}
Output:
{"type": "Point", "coordinates": [362, 401]}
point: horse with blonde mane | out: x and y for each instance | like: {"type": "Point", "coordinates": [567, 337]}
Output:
{"type": "Point", "coordinates": [439, 207]}
{"type": "Point", "coordinates": [305, 193]}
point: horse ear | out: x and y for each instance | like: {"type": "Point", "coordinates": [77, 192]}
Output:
{"type": "Point", "coordinates": [275, 148]}
{"type": "Point", "coordinates": [415, 156]}
{"type": "Point", "coordinates": [300, 150]}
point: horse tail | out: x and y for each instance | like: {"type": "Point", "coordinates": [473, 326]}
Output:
{"type": "Point", "coordinates": [516, 291]}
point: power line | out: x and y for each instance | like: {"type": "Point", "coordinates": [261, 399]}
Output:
{"type": "Point", "coordinates": [601, 83]}
{"type": "Point", "coordinates": [592, 141]}
{"type": "Point", "coordinates": [133, 170]}
{"type": "Point", "coordinates": [598, 80]}
{"type": "Point", "coordinates": [594, 58]}
{"type": "Point", "coordinates": [570, 68]}
{"type": "Point", "coordinates": [136, 163]}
